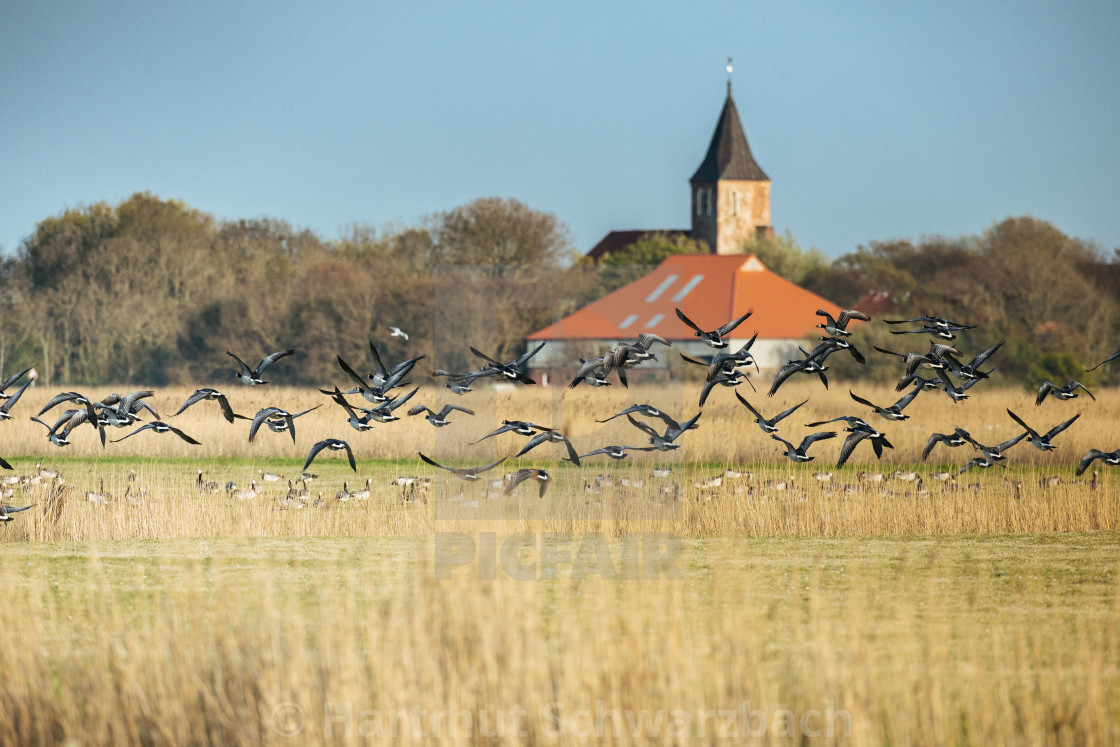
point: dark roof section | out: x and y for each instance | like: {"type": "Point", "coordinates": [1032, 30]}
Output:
{"type": "Point", "coordinates": [615, 241]}
{"type": "Point", "coordinates": [729, 156]}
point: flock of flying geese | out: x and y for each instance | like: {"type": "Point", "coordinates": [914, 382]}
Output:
{"type": "Point", "coordinates": [727, 369]}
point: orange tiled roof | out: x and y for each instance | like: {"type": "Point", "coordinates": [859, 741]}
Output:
{"type": "Point", "coordinates": [710, 289]}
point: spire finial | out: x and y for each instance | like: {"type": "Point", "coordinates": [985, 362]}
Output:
{"type": "Point", "coordinates": [729, 69]}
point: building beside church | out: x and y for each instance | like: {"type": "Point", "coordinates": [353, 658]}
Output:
{"type": "Point", "coordinates": [730, 205]}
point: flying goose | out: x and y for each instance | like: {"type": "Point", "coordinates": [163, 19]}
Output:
{"type": "Point", "coordinates": [550, 436]}
{"type": "Point", "coordinates": [971, 370]}
{"type": "Point", "coordinates": [1111, 458]}
{"type": "Point", "coordinates": [982, 462]}
{"type": "Point", "coordinates": [771, 425]}
{"type": "Point", "coordinates": [856, 437]}
{"type": "Point", "coordinates": [1109, 359]}
{"type": "Point", "coordinates": [465, 473]}
{"type": "Point", "coordinates": [894, 412]}
{"type": "Point", "coordinates": [630, 354]}
{"type": "Point", "coordinates": [830, 345]}
{"type": "Point", "coordinates": [944, 333]}
{"type": "Point", "coordinates": [159, 427]}
{"type": "Point", "coordinates": [798, 454]}
{"type": "Point", "coordinates": [806, 365]}
{"type": "Point", "coordinates": [277, 419]}
{"type": "Point", "coordinates": [838, 327]}
{"type": "Point", "coordinates": [5, 409]}
{"type": "Point", "coordinates": [995, 453]}
{"type": "Point", "coordinates": [673, 431]}
{"type": "Point", "coordinates": [122, 412]}
{"type": "Point", "coordinates": [383, 413]}
{"type": "Point", "coordinates": [10, 381]}
{"type": "Point", "coordinates": [1043, 442]}
{"type": "Point", "coordinates": [729, 379]}
{"type": "Point", "coordinates": [617, 452]}
{"type": "Point", "coordinates": [715, 337]}
{"type": "Point", "coordinates": [958, 437]}
{"type": "Point", "coordinates": [540, 475]}
{"type": "Point", "coordinates": [458, 383]}
{"type": "Point", "coordinates": [1069, 391]}
{"type": "Point", "coordinates": [357, 423]}
{"type": "Point", "coordinates": [511, 370]}
{"type": "Point", "coordinates": [439, 419]}
{"type": "Point", "coordinates": [520, 427]}
{"type": "Point", "coordinates": [7, 511]}
{"type": "Point", "coordinates": [648, 410]}
{"type": "Point", "coordinates": [956, 393]}
{"type": "Point", "coordinates": [211, 394]}
{"type": "Point", "coordinates": [334, 444]}
{"type": "Point", "coordinates": [593, 372]}
{"type": "Point", "coordinates": [252, 376]}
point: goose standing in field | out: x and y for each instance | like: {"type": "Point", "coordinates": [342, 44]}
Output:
{"type": "Point", "coordinates": [469, 474]}
{"type": "Point", "coordinates": [894, 412]}
{"type": "Point", "coordinates": [550, 436]}
{"type": "Point", "coordinates": [540, 475]}
{"type": "Point", "coordinates": [771, 425]}
{"type": "Point", "coordinates": [159, 427]}
{"type": "Point", "coordinates": [958, 437]}
{"type": "Point", "coordinates": [252, 376]}
{"type": "Point", "coordinates": [209, 394]}
{"type": "Point", "coordinates": [1043, 442]}
{"type": "Point", "coordinates": [715, 337]}
{"type": "Point", "coordinates": [206, 486]}
{"type": "Point", "coordinates": [1111, 458]}
{"type": "Point", "coordinates": [510, 371]}
{"type": "Point", "coordinates": [673, 431]}
{"type": "Point", "coordinates": [10, 381]}
{"type": "Point", "coordinates": [838, 327]}
{"type": "Point", "coordinates": [242, 494]}
{"type": "Point", "coordinates": [333, 444]}
{"type": "Point", "coordinates": [1069, 391]}
{"type": "Point", "coordinates": [799, 453]}
{"type": "Point", "coordinates": [439, 419]}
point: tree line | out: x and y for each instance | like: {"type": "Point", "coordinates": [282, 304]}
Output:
{"type": "Point", "coordinates": [152, 291]}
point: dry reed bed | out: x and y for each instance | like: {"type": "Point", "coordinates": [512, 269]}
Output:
{"type": "Point", "coordinates": [979, 503]}
{"type": "Point", "coordinates": [872, 641]}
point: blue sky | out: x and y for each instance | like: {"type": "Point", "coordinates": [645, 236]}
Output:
{"type": "Point", "coordinates": [874, 120]}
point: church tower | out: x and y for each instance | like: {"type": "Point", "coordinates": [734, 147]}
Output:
{"type": "Point", "coordinates": [730, 191]}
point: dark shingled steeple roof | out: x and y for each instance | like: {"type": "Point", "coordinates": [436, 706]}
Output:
{"type": "Point", "coordinates": [729, 156]}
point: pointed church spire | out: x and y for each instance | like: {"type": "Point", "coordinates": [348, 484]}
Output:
{"type": "Point", "coordinates": [729, 155]}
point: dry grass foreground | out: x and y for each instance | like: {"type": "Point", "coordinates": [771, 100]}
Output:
{"type": "Point", "coordinates": [777, 498]}
{"type": "Point", "coordinates": [952, 640]}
